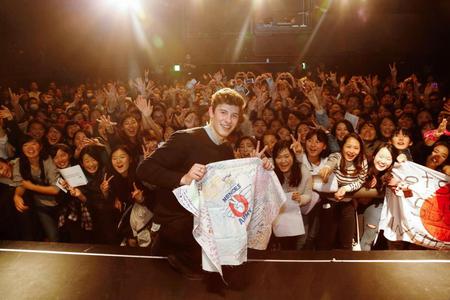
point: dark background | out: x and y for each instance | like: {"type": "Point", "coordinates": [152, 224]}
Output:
{"type": "Point", "coordinates": [70, 40]}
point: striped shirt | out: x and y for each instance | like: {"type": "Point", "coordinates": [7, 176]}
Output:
{"type": "Point", "coordinates": [351, 181]}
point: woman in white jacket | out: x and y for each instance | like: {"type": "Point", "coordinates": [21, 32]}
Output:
{"type": "Point", "coordinates": [296, 181]}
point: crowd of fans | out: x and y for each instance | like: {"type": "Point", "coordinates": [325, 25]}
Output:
{"type": "Point", "coordinates": [302, 124]}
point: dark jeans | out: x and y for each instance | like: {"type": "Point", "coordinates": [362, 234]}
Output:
{"type": "Point", "coordinates": [337, 226]}
{"type": "Point", "coordinates": [47, 215]}
{"type": "Point", "coordinates": [176, 238]}
{"type": "Point", "coordinates": [284, 243]}
{"type": "Point", "coordinates": [29, 226]}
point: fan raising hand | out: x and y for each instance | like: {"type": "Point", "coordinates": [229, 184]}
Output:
{"type": "Point", "coordinates": [296, 146]}
{"type": "Point", "coordinates": [104, 187]}
{"type": "Point", "coordinates": [137, 194]}
{"type": "Point", "coordinates": [257, 153]}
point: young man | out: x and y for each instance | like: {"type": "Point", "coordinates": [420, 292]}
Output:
{"type": "Point", "coordinates": [179, 161]}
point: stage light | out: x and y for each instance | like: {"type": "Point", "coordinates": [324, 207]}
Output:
{"type": "Point", "coordinates": [177, 68]}
{"type": "Point", "coordinates": [120, 4]}
{"type": "Point", "coordinates": [126, 5]}
{"type": "Point", "coordinates": [257, 3]}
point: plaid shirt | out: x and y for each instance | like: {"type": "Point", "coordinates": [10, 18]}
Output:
{"type": "Point", "coordinates": [71, 212]}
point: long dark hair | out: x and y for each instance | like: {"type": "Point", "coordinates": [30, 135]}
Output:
{"type": "Point", "coordinates": [379, 127]}
{"type": "Point", "coordinates": [346, 123]}
{"type": "Point", "coordinates": [322, 137]}
{"type": "Point", "coordinates": [133, 163]}
{"type": "Point", "coordinates": [374, 173]}
{"type": "Point", "coordinates": [24, 163]}
{"type": "Point", "coordinates": [296, 175]}
{"type": "Point", "coordinates": [96, 152]}
{"type": "Point", "coordinates": [359, 159]}
{"type": "Point", "coordinates": [60, 146]}
{"type": "Point", "coordinates": [243, 138]}
{"type": "Point", "coordinates": [439, 143]}
{"type": "Point", "coordinates": [63, 147]}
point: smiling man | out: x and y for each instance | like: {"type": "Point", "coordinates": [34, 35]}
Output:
{"type": "Point", "coordinates": [179, 161]}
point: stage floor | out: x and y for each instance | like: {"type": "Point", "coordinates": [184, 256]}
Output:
{"type": "Point", "coordinates": [30, 270]}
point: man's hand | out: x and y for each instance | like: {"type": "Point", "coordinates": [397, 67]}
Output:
{"type": "Point", "coordinates": [196, 172]}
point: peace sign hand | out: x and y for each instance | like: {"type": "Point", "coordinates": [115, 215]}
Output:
{"type": "Point", "coordinates": [146, 151]}
{"type": "Point", "coordinates": [393, 69]}
{"type": "Point", "coordinates": [236, 153]}
{"type": "Point", "coordinates": [137, 194]}
{"type": "Point", "coordinates": [257, 153]}
{"type": "Point", "coordinates": [104, 187]}
{"type": "Point", "coordinates": [296, 146]}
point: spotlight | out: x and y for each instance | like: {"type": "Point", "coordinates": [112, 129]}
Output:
{"type": "Point", "coordinates": [177, 68]}
{"type": "Point", "coordinates": [124, 5]}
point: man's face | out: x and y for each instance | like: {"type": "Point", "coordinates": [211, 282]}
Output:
{"type": "Point", "coordinates": [224, 119]}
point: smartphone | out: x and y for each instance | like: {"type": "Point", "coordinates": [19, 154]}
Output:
{"type": "Point", "coordinates": [270, 82]}
{"type": "Point", "coordinates": [249, 81]}
{"type": "Point", "coordinates": [434, 85]}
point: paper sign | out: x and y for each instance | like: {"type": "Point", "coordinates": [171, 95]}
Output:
{"type": "Point", "coordinates": [60, 185]}
{"type": "Point", "coordinates": [74, 176]}
{"type": "Point", "coordinates": [352, 119]}
{"type": "Point", "coordinates": [330, 187]}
